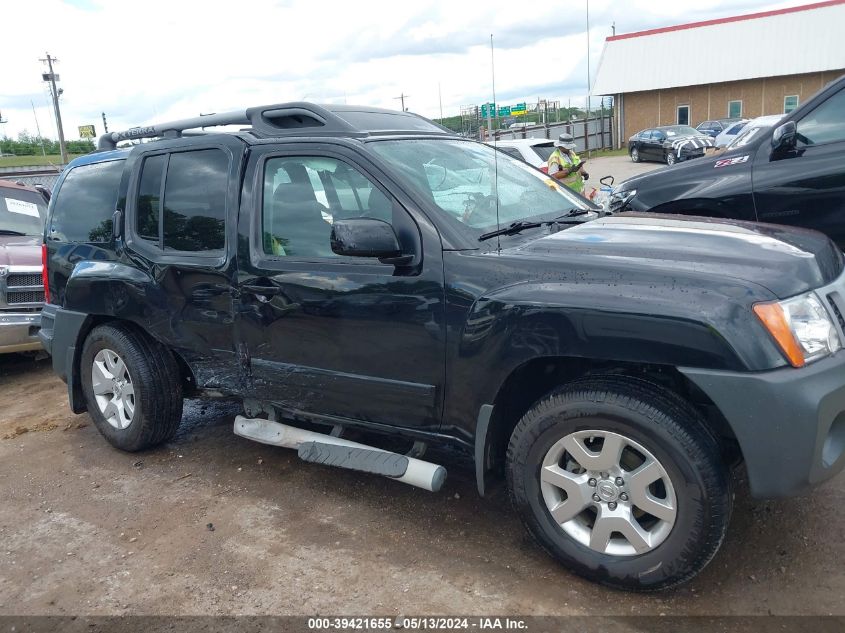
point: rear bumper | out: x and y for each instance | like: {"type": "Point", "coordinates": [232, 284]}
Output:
{"type": "Point", "coordinates": [19, 331]}
{"type": "Point", "coordinates": [790, 423]}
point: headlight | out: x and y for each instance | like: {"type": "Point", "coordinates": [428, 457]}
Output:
{"type": "Point", "coordinates": [619, 199]}
{"type": "Point", "coordinates": [802, 328]}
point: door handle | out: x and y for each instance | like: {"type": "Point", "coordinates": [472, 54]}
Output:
{"type": "Point", "coordinates": [261, 290]}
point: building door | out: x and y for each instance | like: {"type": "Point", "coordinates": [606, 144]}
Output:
{"type": "Point", "coordinates": [683, 115]}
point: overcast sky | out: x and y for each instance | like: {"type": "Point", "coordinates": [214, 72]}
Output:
{"type": "Point", "coordinates": [142, 61]}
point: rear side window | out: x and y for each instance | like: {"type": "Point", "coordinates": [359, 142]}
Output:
{"type": "Point", "coordinates": [86, 202]}
{"type": "Point", "coordinates": [149, 197]}
{"type": "Point", "coordinates": [191, 214]}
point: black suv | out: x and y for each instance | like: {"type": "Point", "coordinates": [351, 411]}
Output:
{"type": "Point", "coordinates": [792, 173]}
{"type": "Point", "coordinates": [339, 268]}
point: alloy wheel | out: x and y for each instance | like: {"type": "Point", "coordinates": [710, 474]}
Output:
{"type": "Point", "coordinates": [608, 492]}
{"type": "Point", "coordinates": [113, 388]}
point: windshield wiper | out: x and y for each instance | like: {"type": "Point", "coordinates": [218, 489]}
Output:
{"type": "Point", "coordinates": [517, 227]}
{"type": "Point", "coordinates": [512, 229]}
{"type": "Point", "coordinates": [11, 232]}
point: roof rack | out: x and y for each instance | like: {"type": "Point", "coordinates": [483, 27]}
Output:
{"type": "Point", "coordinates": [283, 119]}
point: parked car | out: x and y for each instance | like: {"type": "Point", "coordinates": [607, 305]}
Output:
{"type": "Point", "coordinates": [752, 128]}
{"type": "Point", "coordinates": [724, 137]}
{"type": "Point", "coordinates": [22, 213]}
{"type": "Point", "coordinates": [534, 151]}
{"type": "Point", "coordinates": [791, 171]}
{"type": "Point", "coordinates": [715, 127]}
{"type": "Point", "coordinates": [669, 144]}
{"type": "Point", "coordinates": [611, 373]}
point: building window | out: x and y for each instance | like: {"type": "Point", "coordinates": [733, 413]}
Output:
{"type": "Point", "coordinates": [683, 115]}
{"type": "Point", "coordinates": [790, 102]}
{"type": "Point", "coordinates": [734, 109]}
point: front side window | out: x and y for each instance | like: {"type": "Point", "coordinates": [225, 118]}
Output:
{"type": "Point", "coordinates": [790, 102]}
{"type": "Point", "coordinates": [824, 124]}
{"type": "Point", "coordinates": [465, 181]}
{"type": "Point", "coordinates": [303, 195]}
{"type": "Point", "coordinates": [85, 203]}
{"type": "Point", "coordinates": [734, 109]}
{"type": "Point", "coordinates": [191, 215]}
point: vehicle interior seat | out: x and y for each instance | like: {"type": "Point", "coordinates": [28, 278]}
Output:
{"type": "Point", "coordinates": [298, 222]}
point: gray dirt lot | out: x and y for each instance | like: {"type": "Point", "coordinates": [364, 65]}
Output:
{"type": "Point", "coordinates": [86, 529]}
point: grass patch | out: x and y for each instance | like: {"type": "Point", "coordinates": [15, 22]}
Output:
{"type": "Point", "coordinates": [602, 153]}
{"type": "Point", "coordinates": [34, 161]}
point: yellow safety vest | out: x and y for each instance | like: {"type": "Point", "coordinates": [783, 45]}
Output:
{"type": "Point", "coordinates": [574, 181]}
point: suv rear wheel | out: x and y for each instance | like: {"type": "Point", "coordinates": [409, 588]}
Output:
{"type": "Point", "coordinates": [132, 387]}
{"type": "Point", "coordinates": [621, 481]}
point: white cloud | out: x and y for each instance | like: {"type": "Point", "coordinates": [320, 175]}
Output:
{"type": "Point", "coordinates": [164, 59]}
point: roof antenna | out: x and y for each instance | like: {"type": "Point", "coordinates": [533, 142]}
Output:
{"type": "Point", "coordinates": [495, 146]}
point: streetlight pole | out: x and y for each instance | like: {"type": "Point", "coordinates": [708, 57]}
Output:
{"type": "Point", "coordinates": [51, 77]}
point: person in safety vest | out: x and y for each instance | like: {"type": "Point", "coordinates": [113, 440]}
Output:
{"type": "Point", "coordinates": [565, 166]}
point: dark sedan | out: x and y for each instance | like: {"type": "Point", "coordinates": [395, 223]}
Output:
{"type": "Point", "coordinates": [669, 144]}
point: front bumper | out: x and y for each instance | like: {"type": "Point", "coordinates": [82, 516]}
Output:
{"type": "Point", "coordinates": [790, 423]}
{"type": "Point", "coordinates": [19, 331]}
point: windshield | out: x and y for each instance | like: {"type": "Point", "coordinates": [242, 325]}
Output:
{"type": "Point", "coordinates": [544, 151]}
{"type": "Point", "coordinates": [681, 130]}
{"type": "Point", "coordinates": [21, 212]}
{"type": "Point", "coordinates": [460, 179]}
{"type": "Point", "coordinates": [746, 135]}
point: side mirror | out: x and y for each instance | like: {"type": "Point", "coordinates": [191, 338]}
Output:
{"type": "Point", "coordinates": [784, 136]}
{"type": "Point", "coordinates": [365, 237]}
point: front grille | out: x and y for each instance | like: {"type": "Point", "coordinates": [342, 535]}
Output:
{"type": "Point", "coordinates": [16, 280]}
{"type": "Point", "coordinates": [24, 296]}
{"type": "Point", "coordinates": [832, 300]}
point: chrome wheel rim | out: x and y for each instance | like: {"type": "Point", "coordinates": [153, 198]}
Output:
{"type": "Point", "coordinates": [635, 154]}
{"type": "Point", "coordinates": [113, 388]}
{"type": "Point", "coordinates": [608, 492]}
{"type": "Point", "coordinates": [670, 158]}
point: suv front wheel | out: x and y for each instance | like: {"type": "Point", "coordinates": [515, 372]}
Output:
{"type": "Point", "coordinates": [621, 481]}
{"type": "Point", "coordinates": [132, 387]}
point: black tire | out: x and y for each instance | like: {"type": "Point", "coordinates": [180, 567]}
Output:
{"type": "Point", "coordinates": [635, 155]}
{"type": "Point", "coordinates": [155, 377]}
{"type": "Point", "coordinates": [678, 438]}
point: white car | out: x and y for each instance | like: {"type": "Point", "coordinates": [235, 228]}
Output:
{"type": "Point", "coordinates": [752, 128]}
{"type": "Point", "coordinates": [534, 151]}
{"type": "Point", "coordinates": [729, 133]}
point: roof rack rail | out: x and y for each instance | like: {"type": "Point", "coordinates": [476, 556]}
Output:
{"type": "Point", "coordinates": [267, 120]}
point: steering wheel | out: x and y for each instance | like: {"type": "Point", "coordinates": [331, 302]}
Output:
{"type": "Point", "coordinates": [478, 203]}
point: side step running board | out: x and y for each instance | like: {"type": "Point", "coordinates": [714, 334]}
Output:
{"type": "Point", "coordinates": [334, 451]}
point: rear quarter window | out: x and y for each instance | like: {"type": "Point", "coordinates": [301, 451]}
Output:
{"type": "Point", "coordinates": [85, 203]}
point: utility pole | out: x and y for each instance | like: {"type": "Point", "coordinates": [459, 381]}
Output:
{"type": "Point", "coordinates": [105, 125]}
{"type": "Point", "coordinates": [51, 77]}
{"type": "Point", "coordinates": [440, 97]}
{"type": "Point", "coordinates": [589, 88]}
{"type": "Point", "coordinates": [402, 97]}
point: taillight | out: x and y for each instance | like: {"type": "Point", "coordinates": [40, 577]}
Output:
{"type": "Point", "coordinates": [44, 273]}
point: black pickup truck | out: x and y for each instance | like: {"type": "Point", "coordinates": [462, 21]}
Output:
{"type": "Point", "coordinates": [342, 269]}
{"type": "Point", "coordinates": [791, 173]}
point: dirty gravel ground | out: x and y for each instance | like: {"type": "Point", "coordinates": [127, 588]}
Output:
{"type": "Point", "coordinates": [86, 529]}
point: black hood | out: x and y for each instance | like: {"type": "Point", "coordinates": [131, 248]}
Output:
{"type": "Point", "coordinates": [784, 260]}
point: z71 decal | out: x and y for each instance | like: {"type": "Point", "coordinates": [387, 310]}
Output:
{"type": "Point", "coordinates": [724, 162]}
